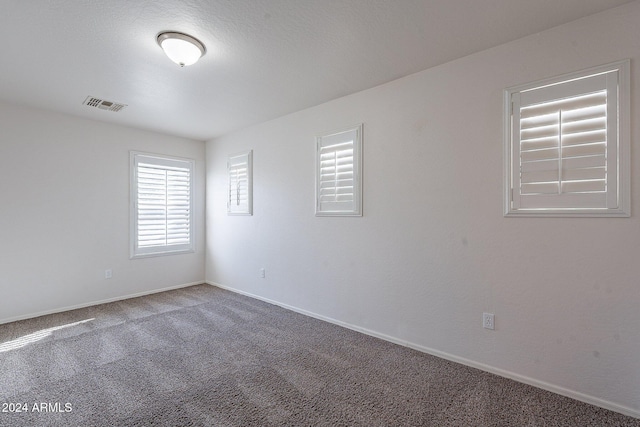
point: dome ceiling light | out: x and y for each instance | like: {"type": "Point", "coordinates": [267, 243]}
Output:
{"type": "Point", "coordinates": [181, 48]}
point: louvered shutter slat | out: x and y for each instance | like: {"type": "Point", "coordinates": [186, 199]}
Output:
{"type": "Point", "coordinates": [540, 188]}
{"type": "Point", "coordinates": [586, 138]}
{"type": "Point", "coordinates": [584, 150]}
{"type": "Point", "coordinates": [545, 165]}
{"type": "Point", "coordinates": [539, 176]}
{"type": "Point", "coordinates": [535, 155]}
{"type": "Point", "coordinates": [539, 132]}
{"type": "Point", "coordinates": [583, 186]}
{"type": "Point", "coordinates": [538, 144]}
{"type": "Point", "coordinates": [584, 174]}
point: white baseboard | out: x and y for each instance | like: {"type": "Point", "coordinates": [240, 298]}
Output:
{"type": "Point", "coordinates": [487, 368]}
{"type": "Point", "coordinates": [89, 304]}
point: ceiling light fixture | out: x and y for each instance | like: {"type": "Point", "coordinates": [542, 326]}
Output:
{"type": "Point", "coordinates": [181, 48]}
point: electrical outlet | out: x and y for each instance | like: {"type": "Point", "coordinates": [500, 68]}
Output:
{"type": "Point", "coordinates": [108, 274]}
{"type": "Point", "coordinates": [487, 321]}
{"type": "Point", "coordinates": [263, 273]}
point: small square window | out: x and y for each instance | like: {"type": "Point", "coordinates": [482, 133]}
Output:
{"type": "Point", "coordinates": [567, 145]}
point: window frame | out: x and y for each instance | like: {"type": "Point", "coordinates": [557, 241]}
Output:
{"type": "Point", "coordinates": [246, 157]}
{"type": "Point", "coordinates": [356, 209]}
{"type": "Point", "coordinates": [621, 196]}
{"type": "Point", "coordinates": [160, 161]}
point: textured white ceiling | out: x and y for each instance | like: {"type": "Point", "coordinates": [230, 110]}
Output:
{"type": "Point", "coordinates": [265, 58]}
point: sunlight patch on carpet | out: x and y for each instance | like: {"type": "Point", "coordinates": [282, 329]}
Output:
{"type": "Point", "coordinates": [36, 336]}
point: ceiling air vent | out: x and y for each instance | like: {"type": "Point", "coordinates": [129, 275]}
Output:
{"type": "Point", "coordinates": [103, 105]}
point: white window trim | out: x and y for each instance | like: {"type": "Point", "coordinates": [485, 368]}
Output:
{"type": "Point", "coordinates": [623, 208]}
{"type": "Point", "coordinates": [135, 252]}
{"type": "Point", "coordinates": [244, 158]}
{"type": "Point", "coordinates": [356, 209]}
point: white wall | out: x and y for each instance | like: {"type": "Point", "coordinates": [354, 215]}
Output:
{"type": "Point", "coordinates": [64, 213]}
{"type": "Point", "coordinates": [433, 250]}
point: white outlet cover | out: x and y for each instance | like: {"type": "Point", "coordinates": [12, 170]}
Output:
{"type": "Point", "coordinates": [488, 321]}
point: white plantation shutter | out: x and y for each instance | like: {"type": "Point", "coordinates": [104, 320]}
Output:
{"type": "Point", "coordinates": [239, 191]}
{"type": "Point", "coordinates": [338, 180]}
{"type": "Point", "coordinates": [162, 205]}
{"type": "Point", "coordinates": [565, 145]}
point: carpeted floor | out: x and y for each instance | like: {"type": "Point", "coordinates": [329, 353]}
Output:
{"type": "Point", "coordinates": [202, 356]}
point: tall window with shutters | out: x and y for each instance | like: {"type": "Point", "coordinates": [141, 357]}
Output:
{"type": "Point", "coordinates": [161, 205]}
{"type": "Point", "coordinates": [339, 173]}
{"type": "Point", "coordinates": [240, 188]}
{"type": "Point", "coordinates": [567, 145]}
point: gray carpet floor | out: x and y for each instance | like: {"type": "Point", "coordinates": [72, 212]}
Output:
{"type": "Point", "coordinates": [203, 356]}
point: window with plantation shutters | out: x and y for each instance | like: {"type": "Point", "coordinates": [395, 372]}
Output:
{"type": "Point", "coordinates": [567, 145]}
{"type": "Point", "coordinates": [162, 214]}
{"type": "Point", "coordinates": [239, 190]}
{"type": "Point", "coordinates": [338, 173]}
